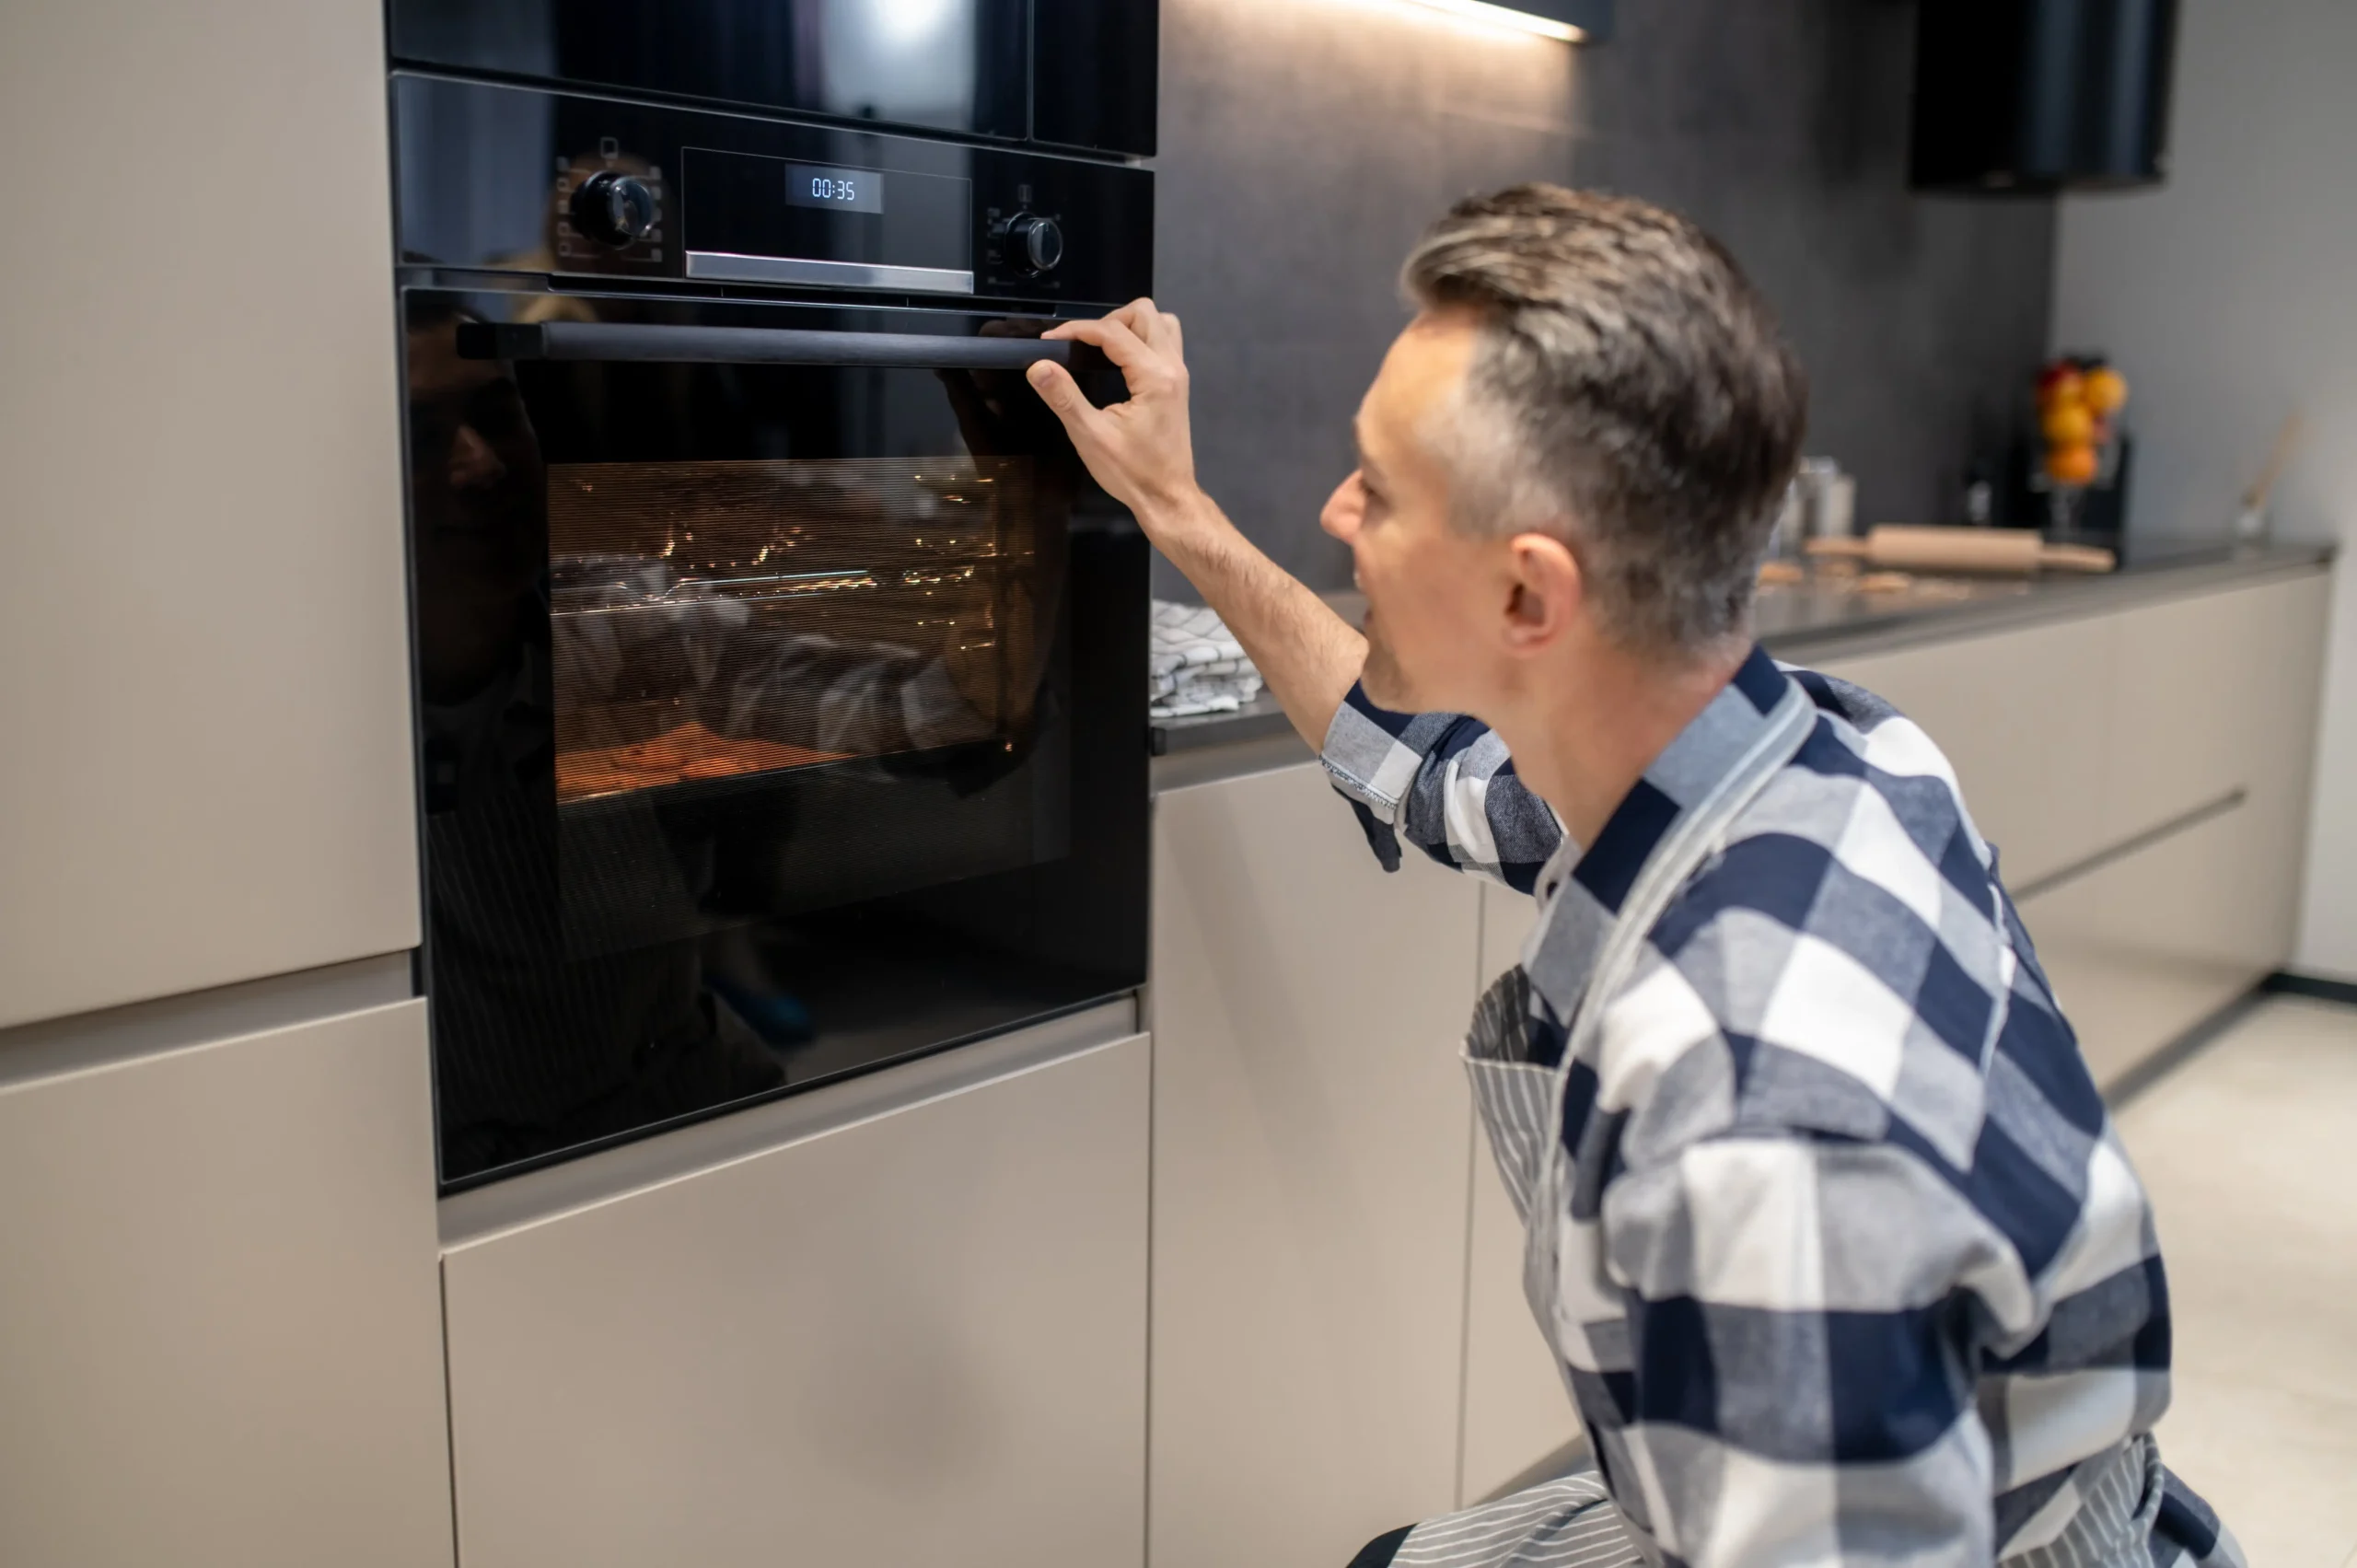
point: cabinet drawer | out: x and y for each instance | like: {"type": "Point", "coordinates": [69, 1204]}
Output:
{"type": "Point", "coordinates": [2073, 738]}
{"type": "Point", "coordinates": [220, 1340]}
{"type": "Point", "coordinates": [2217, 693]}
{"type": "Point", "coordinates": [919, 1338]}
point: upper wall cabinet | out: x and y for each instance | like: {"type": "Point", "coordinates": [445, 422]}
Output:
{"type": "Point", "coordinates": [205, 774]}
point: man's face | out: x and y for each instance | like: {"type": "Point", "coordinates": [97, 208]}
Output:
{"type": "Point", "coordinates": [476, 484]}
{"type": "Point", "coordinates": [475, 470]}
{"type": "Point", "coordinates": [1435, 596]}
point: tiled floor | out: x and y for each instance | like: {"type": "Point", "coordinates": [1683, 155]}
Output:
{"type": "Point", "coordinates": [2250, 1154]}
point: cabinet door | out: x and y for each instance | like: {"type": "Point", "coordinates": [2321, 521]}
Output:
{"type": "Point", "coordinates": [2217, 693]}
{"type": "Point", "coordinates": [915, 1339]}
{"type": "Point", "coordinates": [2178, 740]}
{"type": "Point", "coordinates": [1517, 1411]}
{"type": "Point", "coordinates": [2217, 705]}
{"type": "Point", "coordinates": [203, 646]}
{"type": "Point", "coordinates": [220, 1339]}
{"type": "Point", "coordinates": [1309, 1181]}
{"type": "Point", "coordinates": [2273, 714]}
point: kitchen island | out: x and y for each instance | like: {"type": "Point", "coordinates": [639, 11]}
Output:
{"type": "Point", "coordinates": [1340, 1340]}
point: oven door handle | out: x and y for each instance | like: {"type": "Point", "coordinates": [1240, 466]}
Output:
{"type": "Point", "coordinates": [612, 340]}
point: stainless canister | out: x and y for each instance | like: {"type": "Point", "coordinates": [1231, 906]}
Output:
{"type": "Point", "coordinates": [1827, 499]}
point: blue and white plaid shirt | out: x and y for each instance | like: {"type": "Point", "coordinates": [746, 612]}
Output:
{"type": "Point", "coordinates": [1855, 1269]}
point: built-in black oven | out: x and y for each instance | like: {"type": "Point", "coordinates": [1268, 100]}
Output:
{"type": "Point", "coordinates": [781, 674]}
{"type": "Point", "coordinates": [1061, 72]}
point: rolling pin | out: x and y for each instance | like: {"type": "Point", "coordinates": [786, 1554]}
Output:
{"type": "Point", "coordinates": [1902, 547]}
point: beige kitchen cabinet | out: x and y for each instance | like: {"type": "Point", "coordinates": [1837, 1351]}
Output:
{"type": "Point", "coordinates": [2159, 781]}
{"type": "Point", "coordinates": [2178, 734]}
{"type": "Point", "coordinates": [2213, 748]}
{"type": "Point", "coordinates": [1310, 1193]}
{"type": "Point", "coordinates": [203, 644]}
{"type": "Point", "coordinates": [1517, 1412]}
{"type": "Point", "coordinates": [909, 1329]}
{"type": "Point", "coordinates": [220, 1336]}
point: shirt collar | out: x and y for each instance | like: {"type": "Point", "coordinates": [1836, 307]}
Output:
{"type": "Point", "coordinates": [1582, 890]}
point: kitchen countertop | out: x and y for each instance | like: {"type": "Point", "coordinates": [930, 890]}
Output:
{"type": "Point", "coordinates": [1821, 617]}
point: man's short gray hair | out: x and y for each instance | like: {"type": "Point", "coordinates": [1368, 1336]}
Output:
{"type": "Point", "coordinates": [1630, 395]}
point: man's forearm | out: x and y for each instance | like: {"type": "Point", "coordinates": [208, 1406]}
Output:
{"type": "Point", "coordinates": [1309, 656]}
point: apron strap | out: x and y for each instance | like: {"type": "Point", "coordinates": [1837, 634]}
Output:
{"type": "Point", "coordinates": [1696, 837]}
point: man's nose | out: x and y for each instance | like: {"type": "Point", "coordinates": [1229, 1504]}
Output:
{"type": "Point", "coordinates": [474, 465]}
{"type": "Point", "coordinates": [1345, 509]}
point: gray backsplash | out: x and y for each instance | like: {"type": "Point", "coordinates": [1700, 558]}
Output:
{"type": "Point", "coordinates": [1305, 143]}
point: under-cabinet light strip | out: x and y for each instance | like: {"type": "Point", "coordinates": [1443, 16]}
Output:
{"type": "Point", "coordinates": [1507, 17]}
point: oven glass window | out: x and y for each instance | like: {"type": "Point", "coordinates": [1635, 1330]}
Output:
{"type": "Point", "coordinates": [764, 735]}
{"type": "Point", "coordinates": [717, 621]}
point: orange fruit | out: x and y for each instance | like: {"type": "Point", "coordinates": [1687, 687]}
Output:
{"type": "Point", "coordinates": [2105, 390]}
{"type": "Point", "coordinates": [2069, 387]}
{"type": "Point", "coordinates": [2068, 424]}
{"type": "Point", "coordinates": [2073, 464]}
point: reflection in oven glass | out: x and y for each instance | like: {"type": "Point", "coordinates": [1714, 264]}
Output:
{"type": "Point", "coordinates": [714, 621]}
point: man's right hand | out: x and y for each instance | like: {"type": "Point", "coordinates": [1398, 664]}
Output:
{"type": "Point", "coordinates": [1142, 450]}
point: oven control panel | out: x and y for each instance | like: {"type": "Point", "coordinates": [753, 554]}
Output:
{"type": "Point", "coordinates": [510, 178]}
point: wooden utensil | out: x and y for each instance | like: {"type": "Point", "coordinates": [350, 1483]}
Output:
{"type": "Point", "coordinates": [1900, 547]}
{"type": "Point", "coordinates": [2250, 523]}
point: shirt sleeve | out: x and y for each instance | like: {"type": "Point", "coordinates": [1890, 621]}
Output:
{"type": "Point", "coordinates": [1445, 783]}
{"type": "Point", "coordinates": [1798, 1384]}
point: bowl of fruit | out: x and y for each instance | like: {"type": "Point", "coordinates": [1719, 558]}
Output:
{"type": "Point", "coordinates": [2081, 444]}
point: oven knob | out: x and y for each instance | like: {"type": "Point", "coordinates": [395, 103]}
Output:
{"type": "Point", "coordinates": [1043, 240]}
{"type": "Point", "coordinates": [616, 208]}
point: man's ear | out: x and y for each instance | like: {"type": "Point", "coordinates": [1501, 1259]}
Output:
{"type": "Point", "coordinates": [1547, 592]}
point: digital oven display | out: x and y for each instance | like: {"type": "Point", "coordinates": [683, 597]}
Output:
{"type": "Point", "coordinates": [834, 190]}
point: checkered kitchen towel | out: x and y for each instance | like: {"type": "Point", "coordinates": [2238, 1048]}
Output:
{"type": "Point", "coordinates": [1197, 665]}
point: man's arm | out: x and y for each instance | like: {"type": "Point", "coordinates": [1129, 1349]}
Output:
{"type": "Point", "coordinates": [1444, 781]}
{"type": "Point", "coordinates": [1142, 451]}
{"type": "Point", "coordinates": [1309, 656]}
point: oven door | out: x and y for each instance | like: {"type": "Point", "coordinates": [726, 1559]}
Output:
{"type": "Point", "coordinates": [780, 692]}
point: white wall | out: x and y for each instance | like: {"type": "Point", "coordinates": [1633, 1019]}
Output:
{"type": "Point", "coordinates": [2229, 297]}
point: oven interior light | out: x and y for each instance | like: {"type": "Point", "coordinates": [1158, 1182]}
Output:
{"type": "Point", "coordinates": [1510, 17]}
{"type": "Point", "coordinates": [914, 21]}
